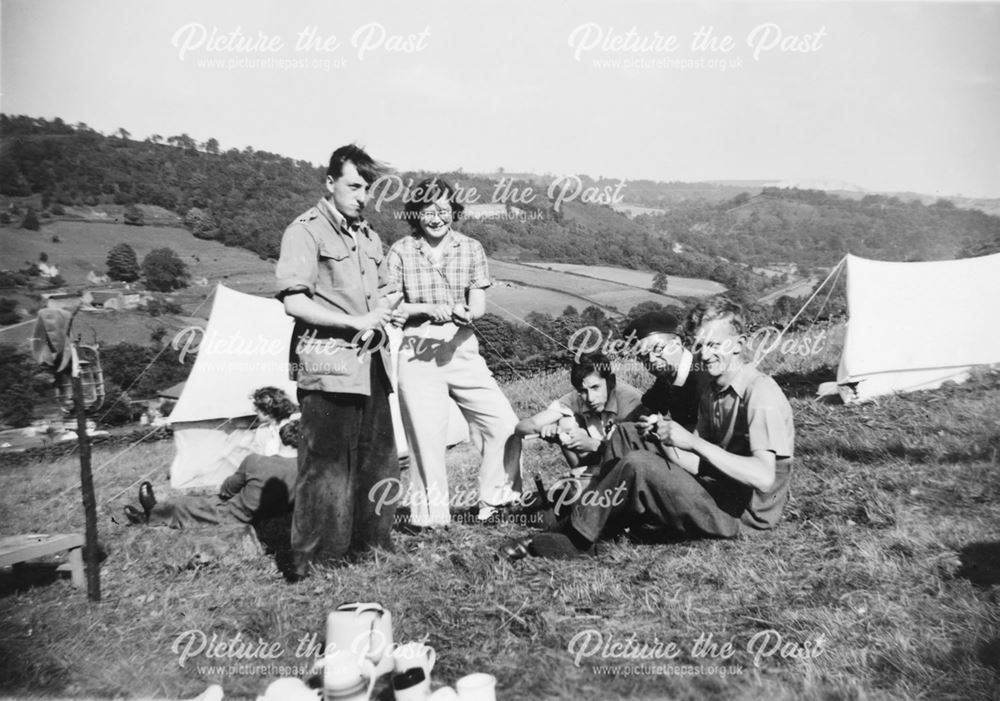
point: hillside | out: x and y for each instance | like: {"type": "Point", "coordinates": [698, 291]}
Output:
{"type": "Point", "coordinates": [715, 231]}
{"type": "Point", "coordinates": [246, 198]}
{"type": "Point", "coordinates": [678, 286]}
{"type": "Point", "coordinates": [83, 247]}
{"type": "Point", "coordinates": [813, 229]}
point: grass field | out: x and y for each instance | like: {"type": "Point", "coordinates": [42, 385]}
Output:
{"type": "Point", "coordinates": [588, 290]}
{"type": "Point", "coordinates": [882, 582]}
{"type": "Point", "coordinates": [514, 302]}
{"type": "Point", "coordinates": [83, 247]}
{"type": "Point", "coordinates": [800, 289]}
{"type": "Point", "coordinates": [680, 286]}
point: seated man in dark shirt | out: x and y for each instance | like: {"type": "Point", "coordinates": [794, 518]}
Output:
{"type": "Point", "coordinates": [655, 340]}
{"type": "Point", "coordinates": [659, 347]}
{"type": "Point", "coordinates": [731, 473]}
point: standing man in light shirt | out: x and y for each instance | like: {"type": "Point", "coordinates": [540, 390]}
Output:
{"type": "Point", "coordinates": [331, 279]}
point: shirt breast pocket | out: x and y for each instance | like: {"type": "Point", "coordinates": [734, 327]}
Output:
{"type": "Point", "coordinates": [334, 265]}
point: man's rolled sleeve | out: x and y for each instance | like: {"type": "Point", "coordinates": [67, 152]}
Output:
{"type": "Point", "coordinates": [769, 420]}
{"type": "Point", "coordinates": [393, 265]}
{"type": "Point", "coordinates": [480, 278]}
{"type": "Point", "coordinates": [563, 405]}
{"type": "Point", "coordinates": [298, 264]}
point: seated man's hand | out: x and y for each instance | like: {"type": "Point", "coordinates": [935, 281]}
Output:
{"type": "Point", "coordinates": [549, 433]}
{"type": "Point", "coordinates": [579, 441]}
{"type": "Point", "coordinates": [399, 318]}
{"type": "Point", "coordinates": [647, 424]}
{"type": "Point", "coordinates": [672, 433]}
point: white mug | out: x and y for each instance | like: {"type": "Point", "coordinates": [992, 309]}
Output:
{"type": "Point", "coordinates": [288, 689]}
{"type": "Point", "coordinates": [407, 655]}
{"type": "Point", "coordinates": [477, 687]}
{"type": "Point", "coordinates": [363, 628]}
{"type": "Point", "coordinates": [346, 676]}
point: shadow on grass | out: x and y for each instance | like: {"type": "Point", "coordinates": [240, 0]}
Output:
{"type": "Point", "coordinates": [25, 575]}
{"type": "Point", "coordinates": [275, 534]}
{"type": "Point", "coordinates": [803, 385]}
{"type": "Point", "coordinates": [989, 654]}
{"type": "Point", "coordinates": [42, 572]}
{"type": "Point", "coordinates": [980, 563]}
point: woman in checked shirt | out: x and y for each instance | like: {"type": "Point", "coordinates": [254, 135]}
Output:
{"type": "Point", "coordinates": [443, 275]}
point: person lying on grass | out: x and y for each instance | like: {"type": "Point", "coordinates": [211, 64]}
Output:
{"type": "Point", "coordinates": [263, 484]}
{"type": "Point", "coordinates": [580, 420]}
{"type": "Point", "coordinates": [730, 474]}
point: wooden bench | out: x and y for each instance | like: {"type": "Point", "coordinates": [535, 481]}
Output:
{"type": "Point", "coordinates": [21, 548]}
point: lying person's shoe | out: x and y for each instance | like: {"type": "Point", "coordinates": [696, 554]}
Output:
{"type": "Point", "coordinates": [134, 516]}
{"type": "Point", "coordinates": [146, 497]}
{"type": "Point", "coordinates": [559, 546]}
{"type": "Point", "coordinates": [554, 546]}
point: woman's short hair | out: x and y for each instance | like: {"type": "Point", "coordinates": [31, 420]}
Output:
{"type": "Point", "coordinates": [592, 364]}
{"type": "Point", "coordinates": [273, 402]}
{"type": "Point", "coordinates": [426, 193]}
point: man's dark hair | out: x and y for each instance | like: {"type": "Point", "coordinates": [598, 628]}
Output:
{"type": "Point", "coordinates": [716, 308]}
{"type": "Point", "coordinates": [273, 402]}
{"type": "Point", "coordinates": [592, 364]}
{"type": "Point", "coordinates": [427, 192]}
{"type": "Point", "coordinates": [368, 167]}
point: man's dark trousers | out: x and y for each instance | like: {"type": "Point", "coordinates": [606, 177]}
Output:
{"type": "Point", "coordinates": [347, 448]}
{"type": "Point", "coordinates": [639, 488]}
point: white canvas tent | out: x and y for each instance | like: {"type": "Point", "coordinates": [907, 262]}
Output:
{"type": "Point", "coordinates": [244, 346]}
{"type": "Point", "coordinates": [916, 325]}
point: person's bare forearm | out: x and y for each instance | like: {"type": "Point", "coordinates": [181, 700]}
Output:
{"type": "Point", "coordinates": [477, 303]}
{"type": "Point", "coordinates": [412, 309]}
{"type": "Point", "coordinates": [751, 470]}
{"type": "Point", "coordinates": [684, 459]}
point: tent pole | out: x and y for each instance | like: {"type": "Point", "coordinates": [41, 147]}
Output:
{"type": "Point", "coordinates": [90, 554]}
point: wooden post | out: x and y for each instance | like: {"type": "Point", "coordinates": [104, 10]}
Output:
{"type": "Point", "coordinates": [90, 555]}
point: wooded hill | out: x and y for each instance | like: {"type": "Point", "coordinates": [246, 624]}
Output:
{"type": "Point", "coordinates": [247, 197]}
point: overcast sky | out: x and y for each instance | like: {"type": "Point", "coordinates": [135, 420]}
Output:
{"type": "Point", "coordinates": [887, 96]}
